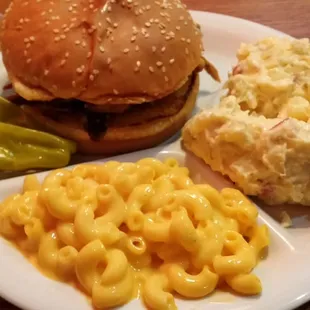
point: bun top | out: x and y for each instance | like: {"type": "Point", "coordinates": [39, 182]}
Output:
{"type": "Point", "coordinates": [118, 51]}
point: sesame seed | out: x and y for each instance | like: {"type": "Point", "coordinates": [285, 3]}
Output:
{"type": "Point", "coordinates": [26, 40]}
{"type": "Point", "coordinates": [151, 69]}
{"type": "Point", "coordinates": [73, 83]}
{"type": "Point", "coordinates": [83, 44]}
{"type": "Point", "coordinates": [147, 24]}
{"type": "Point", "coordinates": [77, 42]}
{"type": "Point", "coordinates": [136, 69]}
{"type": "Point", "coordinates": [163, 49]}
{"type": "Point", "coordinates": [133, 38]}
{"type": "Point", "coordinates": [67, 54]}
{"type": "Point", "coordinates": [57, 39]}
{"type": "Point", "coordinates": [63, 62]}
{"type": "Point", "coordinates": [138, 64]}
{"type": "Point", "coordinates": [46, 72]}
{"type": "Point", "coordinates": [183, 39]}
{"type": "Point", "coordinates": [178, 28]}
{"type": "Point", "coordinates": [163, 69]}
{"type": "Point", "coordinates": [56, 30]}
{"type": "Point", "coordinates": [159, 63]}
{"type": "Point", "coordinates": [188, 40]}
{"type": "Point", "coordinates": [79, 70]}
{"type": "Point", "coordinates": [186, 51]}
{"type": "Point", "coordinates": [92, 29]}
{"type": "Point", "coordinates": [171, 61]}
{"type": "Point", "coordinates": [115, 92]}
{"type": "Point", "coordinates": [109, 60]}
{"type": "Point", "coordinates": [163, 31]}
{"type": "Point", "coordinates": [126, 50]}
{"type": "Point", "coordinates": [62, 36]}
{"type": "Point", "coordinates": [137, 48]}
{"type": "Point", "coordinates": [29, 61]}
{"type": "Point", "coordinates": [95, 72]}
{"type": "Point", "coordinates": [166, 78]}
{"type": "Point", "coordinates": [88, 55]}
{"type": "Point", "coordinates": [47, 22]}
{"type": "Point", "coordinates": [154, 49]}
{"type": "Point", "coordinates": [115, 25]}
{"type": "Point", "coordinates": [91, 77]}
{"type": "Point", "coordinates": [101, 48]}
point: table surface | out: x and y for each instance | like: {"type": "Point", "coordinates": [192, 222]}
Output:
{"type": "Point", "coordinates": [289, 16]}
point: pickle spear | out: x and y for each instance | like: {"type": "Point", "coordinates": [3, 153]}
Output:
{"type": "Point", "coordinates": [23, 148]}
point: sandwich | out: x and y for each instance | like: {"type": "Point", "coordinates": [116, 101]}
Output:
{"type": "Point", "coordinates": [113, 76]}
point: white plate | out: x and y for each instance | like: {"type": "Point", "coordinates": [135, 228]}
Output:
{"type": "Point", "coordinates": [285, 276]}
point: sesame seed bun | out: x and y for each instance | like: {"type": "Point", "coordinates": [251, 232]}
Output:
{"type": "Point", "coordinates": [124, 138]}
{"type": "Point", "coordinates": [116, 52]}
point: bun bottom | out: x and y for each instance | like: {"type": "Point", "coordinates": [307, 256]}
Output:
{"type": "Point", "coordinates": [122, 139]}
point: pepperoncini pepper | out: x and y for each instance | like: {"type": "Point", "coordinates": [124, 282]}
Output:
{"type": "Point", "coordinates": [22, 148]}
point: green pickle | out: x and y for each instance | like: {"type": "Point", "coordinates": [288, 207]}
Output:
{"type": "Point", "coordinates": [23, 149]}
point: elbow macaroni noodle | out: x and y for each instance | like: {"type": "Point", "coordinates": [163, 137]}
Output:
{"type": "Point", "coordinates": [116, 228]}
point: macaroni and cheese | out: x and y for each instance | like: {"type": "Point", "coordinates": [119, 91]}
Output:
{"type": "Point", "coordinates": [122, 230]}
